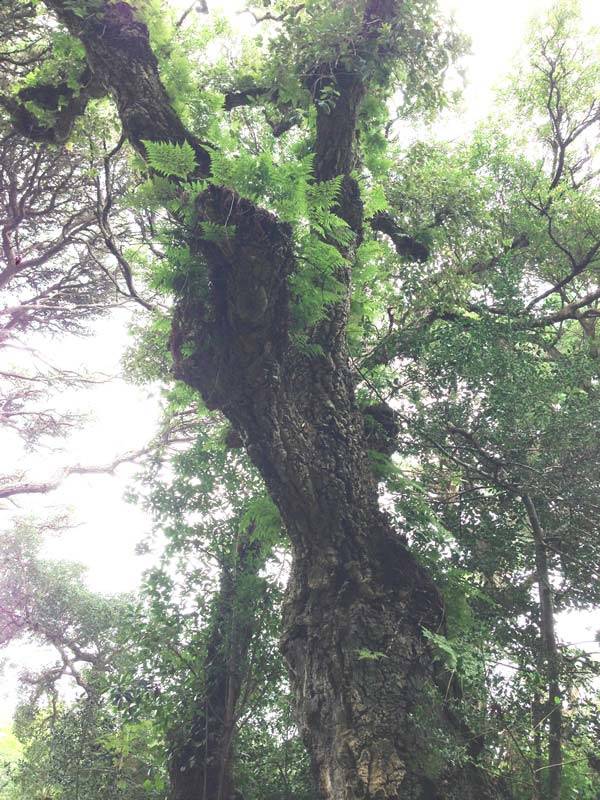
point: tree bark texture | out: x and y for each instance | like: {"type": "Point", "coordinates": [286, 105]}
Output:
{"type": "Point", "coordinates": [357, 600]}
{"type": "Point", "coordinates": [537, 719]}
{"type": "Point", "coordinates": [365, 678]}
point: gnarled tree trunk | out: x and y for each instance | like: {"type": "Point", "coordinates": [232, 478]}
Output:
{"type": "Point", "coordinates": [358, 601]}
{"type": "Point", "coordinates": [364, 675]}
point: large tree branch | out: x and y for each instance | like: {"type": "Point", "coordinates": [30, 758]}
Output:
{"type": "Point", "coordinates": [577, 266]}
{"type": "Point", "coordinates": [44, 487]}
{"type": "Point", "coordinates": [178, 431]}
{"type": "Point", "coordinates": [338, 91]}
{"type": "Point", "coordinates": [570, 310]}
{"type": "Point", "coordinates": [406, 246]}
{"type": "Point", "coordinates": [121, 59]}
{"type": "Point", "coordinates": [65, 103]}
{"type": "Point", "coordinates": [104, 206]}
{"type": "Point", "coordinates": [247, 97]}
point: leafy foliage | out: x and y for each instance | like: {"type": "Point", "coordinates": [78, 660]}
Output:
{"type": "Point", "coordinates": [167, 158]}
{"type": "Point", "coordinates": [472, 313]}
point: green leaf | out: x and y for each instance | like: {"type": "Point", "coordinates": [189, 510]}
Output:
{"type": "Point", "coordinates": [363, 654]}
{"type": "Point", "coordinates": [443, 650]}
{"type": "Point", "coordinates": [170, 159]}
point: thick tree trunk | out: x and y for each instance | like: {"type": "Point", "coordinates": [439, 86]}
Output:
{"type": "Point", "coordinates": [551, 653]}
{"type": "Point", "coordinates": [357, 602]}
{"type": "Point", "coordinates": [201, 757]}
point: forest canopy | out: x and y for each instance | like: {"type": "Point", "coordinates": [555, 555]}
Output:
{"type": "Point", "coordinates": [374, 484]}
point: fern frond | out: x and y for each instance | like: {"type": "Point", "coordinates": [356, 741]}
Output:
{"type": "Point", "coordinates": [170, 159]}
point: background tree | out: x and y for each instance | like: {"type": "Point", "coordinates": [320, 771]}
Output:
{"type": "Point", "coordinates": [79, 746]}
{"type": "Point", "coordinates": [61, 221]}
{"type": "Point", "coordinates": [167, 682]}
{"type": "Point", "coordinates": [499, 393]}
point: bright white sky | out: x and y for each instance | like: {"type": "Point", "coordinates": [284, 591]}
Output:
{"type": "Point", "coordinates": [124, 417]}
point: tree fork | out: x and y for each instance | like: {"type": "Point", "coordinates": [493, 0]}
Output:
{"type": "Point", "coordinates": [358, 601]}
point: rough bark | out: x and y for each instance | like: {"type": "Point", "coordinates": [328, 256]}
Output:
{"type": "Point", "coordinates": [121, 60]}
{"type": "Point", "coordinates": [363, 672]}
{"type": "Point", "coordinates": [357, 600]}
{"type": "Point", "coordinates": [201, 759]}
{"type": "Point", "coordinates": [551, 653]}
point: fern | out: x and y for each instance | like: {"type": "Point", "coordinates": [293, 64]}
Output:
{"type": "Point", "coordinates": [443, 651]}
{"type": "Point", "coordinates": [213, 232]}
{"type": "Point", "coordinates": [321, 257]}
{"type": "Point", "coordinates": [374, 200]}
{"type": "Point", "coordinates": [305, 347]}
{"type": "Point", "coordinates": [287, 188]}
{"type": "Point", "coordinates": [279, 187]}
{"type": "Point", "coordinates": [314, 285]}
{"type": "Point", "coordinates": [382, 465]}
{"type": "Point", "coordinates": [370, 655]}
{"type": "Point", "coordinates": [170, 159]}
{"type": "Point", "coordinates": [322, 196]}
{"type": "Point", "coordinates": [262, 513]}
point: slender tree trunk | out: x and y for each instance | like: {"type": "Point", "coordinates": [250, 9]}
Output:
{"type": "Point", "coordinates": [201, 760]}
{"type": "Point", "coordinates": [537, 716]}
{"type": "Point", "coordinates": [551, 653]}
